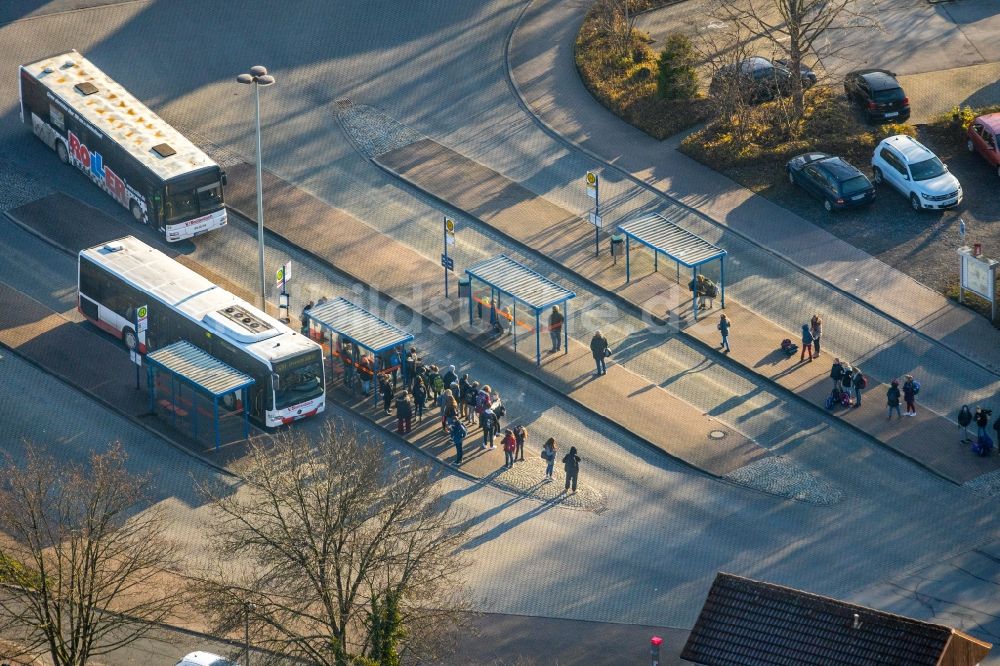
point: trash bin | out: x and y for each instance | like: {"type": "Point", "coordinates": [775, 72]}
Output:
{"type": "Point", "coordinates": [464, 287]}
{"type": "Point", "coordinates": [617, 240]}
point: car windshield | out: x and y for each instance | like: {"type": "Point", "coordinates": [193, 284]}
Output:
{"type": "Point", "coordinates": [927, 169]}
{"type": "Point", "coordinates": [891, 95]}
{"type": "Point", "coordinates": [300, 378]}
{"type": "Point", "coordinates": [855, 185]}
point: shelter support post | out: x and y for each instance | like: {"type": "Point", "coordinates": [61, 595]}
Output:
{"type": "Point", "coordinates": [538, 340]}
{"type": "Point", "coordinates": [151, 379]}
{"type": "Point", "coordinates": [513, 324]}
{"type": "Point", "coordinates": [694, 292]}
{"type": "Point", "coordinates": [656, 260]}
{"type": "Point", "coordinates": [215, 419]}
{"type": "Point", "coordinates": [246, 414]}
{"type": "Point", "coordinates": [565, 326]}
{"type": "Point", "coordinates": [722, 281]}
{"type": "Point", "coordinates": [628, 260]}
{"type": "Point", "coordinates": [470, 298]}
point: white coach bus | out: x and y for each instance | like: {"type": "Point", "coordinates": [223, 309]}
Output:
{"type": "Point", "coordinates": [127, 150]}
{"type": "Point", "coordinates": [116, 278]}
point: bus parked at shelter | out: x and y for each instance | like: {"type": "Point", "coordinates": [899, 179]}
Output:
{"type": "Point", "coordinates": [117, 278]}
{"type": "Point", "coordinates": [127, 150]}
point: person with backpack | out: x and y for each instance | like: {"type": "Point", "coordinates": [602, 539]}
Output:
{"type": "Point", "coordinates": [433, 380]}
{"type": "Point", "coordinates": [982, 420]}
{"type": "Point", "coordinates": [600, 350]}
{"type": "Point", "coordinates": [470, 401]}
{"type": "Point", "coordinates": [816, 329]}
{"type": "Point", "coordinates": [520, 436]}
{"type": "Point", "coordinates": [464, 387]}
{"type": "Point", "coordinates": [549, 456]}
{"type": "Point", "coordinates": [910, 395]}
{"type": "Point", "coordinates": [419, 399]}
{"type": "Point", "coordinates": [484, 400]}
{"type": "Point", "coordinates": [807, 344]}
{"type": "Point", "coordinates": [509, 446]}
{"type": "Point", "coordinates": [983, 446]}
{"type": "Point", "coordinates": [892, 399]}
{"type": "Point", "coordinates": [724, 326]}
{"type": "Point", "coordinates": [858, 382]}
{"type": "Point", "coordinates": [571, 462]}
{"type": "Point", "coordinates": [837, 374]}
{"type": "Point", "coordinates": [449, 408]}
{"type": "Point", "coordinates": [487, 421]}
{"type": "Point", "coordinates": [458, 432]}
{"type": "Point", "coordinates": [964, 419]}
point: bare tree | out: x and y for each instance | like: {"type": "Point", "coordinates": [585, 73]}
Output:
{"type": "Point", "coordinates": [616, 23]}
{"type": "Point", "coordinates": [334, 554]}
{"type": "Point", "coordinates": [83, 555]}
{"type": "Point", "coordinates": [796, 28]}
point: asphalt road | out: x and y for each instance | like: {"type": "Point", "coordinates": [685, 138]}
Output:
{"type": "Point", "coordinates": [439, 68]}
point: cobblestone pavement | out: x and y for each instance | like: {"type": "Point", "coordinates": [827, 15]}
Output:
{"type": "Point", "coordinates": [651, 556]}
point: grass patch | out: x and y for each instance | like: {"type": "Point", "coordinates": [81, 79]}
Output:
{"type": "Point", "coordinates": [626, 85]}
{"type": "Point", "coordinates": [753, 150]}
{"type": "Point", "coordinates": [972, 301]}
{"type": "Point", "coordinates": [14, 572]}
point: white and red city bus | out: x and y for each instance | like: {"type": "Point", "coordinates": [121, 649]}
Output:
{"type": "Point", "coordinates": [117, 278]}
{"type": "Point", "coordinates": [127, 150]}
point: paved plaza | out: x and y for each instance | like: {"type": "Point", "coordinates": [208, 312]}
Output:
{"type": "Point", "coordinates": [494, 83]}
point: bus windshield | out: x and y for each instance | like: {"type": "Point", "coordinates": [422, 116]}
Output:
{"type": "Point", "coordinates": [192, 198]}
{"type": "Point", "coordinates": [300, 378]}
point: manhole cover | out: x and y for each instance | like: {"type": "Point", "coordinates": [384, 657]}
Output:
{"type": "Point", "coordinates": [717, 434]}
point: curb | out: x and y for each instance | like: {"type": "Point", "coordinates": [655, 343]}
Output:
{"type": "Point", "coordinates": [559, 138]}
{"type": "Point", "coordinates": [606, 419]}
{"type": "Point", "coordinates": [175, 444]}
{"type": "Point", "coordinates": [706, 349]}
{"type": "Point", "coordinates": [93, 396]}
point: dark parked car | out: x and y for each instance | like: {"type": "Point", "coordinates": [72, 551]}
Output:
{"type": "Point", "coordinates": [808, 76]}
{"type": "Point", "coordinates": [879, 95]}
{"type": "Point", "coordinates": [756, 80]}
{"type": "Point", "coordinates": [831, 179]}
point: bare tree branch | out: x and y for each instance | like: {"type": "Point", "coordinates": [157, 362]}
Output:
{"type": "Point", "coordinates": [325, 531]}
{"type": "Point", "coordinates": [81, 543]}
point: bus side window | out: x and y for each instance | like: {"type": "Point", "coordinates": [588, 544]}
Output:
{"type": "Point", "coordinates": [90, 281]}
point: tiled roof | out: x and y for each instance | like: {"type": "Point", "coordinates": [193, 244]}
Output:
{"type": "Point", "coordinates": [751, 623]}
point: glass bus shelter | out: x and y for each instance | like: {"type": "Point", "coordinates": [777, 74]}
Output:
{"type": "Point", "coordinates": [196, 383]}
{"type": "Point", "coordinates": [685, 248]}
{"type": "Point", "coordinates": [502, 276]}
{"type": "Point", "coordinates": [364, 331]}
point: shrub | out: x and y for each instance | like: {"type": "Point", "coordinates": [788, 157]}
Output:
{"type": "Point", "coordinates": [677, 79]}
{"type": "Point", "coordinates": [642, 74]}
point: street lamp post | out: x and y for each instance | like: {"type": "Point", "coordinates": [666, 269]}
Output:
{"type": "Point", "coordinates": [258, 76]}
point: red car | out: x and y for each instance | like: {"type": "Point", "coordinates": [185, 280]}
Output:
{"type": "Point", "coordinates": [983, 134]}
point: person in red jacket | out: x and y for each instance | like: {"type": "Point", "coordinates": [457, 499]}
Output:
{"type": "Point", "coordinates": [509, 446]}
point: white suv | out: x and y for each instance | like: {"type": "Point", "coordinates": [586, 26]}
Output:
{"type": "Point", "coordinates": [916, 172]}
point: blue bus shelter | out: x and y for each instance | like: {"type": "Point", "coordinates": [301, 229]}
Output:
{"type": "Point", "coordinates": [206, 377]}
{"type": "Point", "coordinates": [354, 324]}
{"type": "Point", "coordinates": [504, 276]}
{"type": "Point", "coordinates": [686, 249]}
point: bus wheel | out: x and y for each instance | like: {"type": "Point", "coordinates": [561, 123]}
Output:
{"type": "Point", "coordinates": [136, 211]}
{"type": "Point", "coordinates": [129, 340]}
{"type": "Point", "coordinates": [62, 152]}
